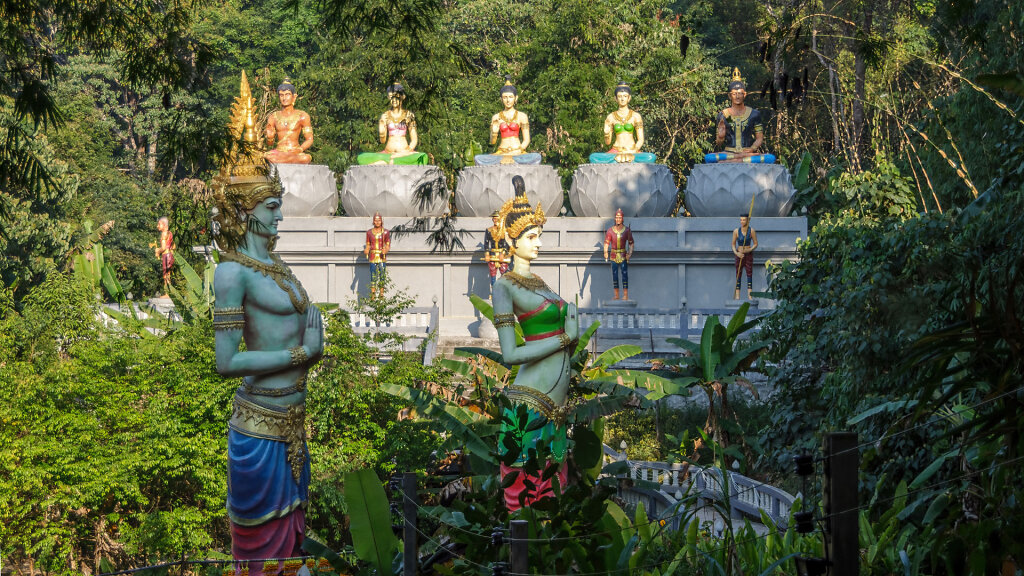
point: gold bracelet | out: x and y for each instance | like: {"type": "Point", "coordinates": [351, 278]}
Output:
{"type": "Point", "coordinates": [565, 340]}
{"type": "Point", "coordinates": [299, 356]}
{"type": "Point", "coordinates": [504, 320]}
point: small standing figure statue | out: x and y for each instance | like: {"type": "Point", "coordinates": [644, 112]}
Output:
{"type": "Point", "coordinates": [550, 330]}
{"type": "Point", "coordinates": [624, 132]}
{"type": "Point", "coordinates": [739, 128]}
{"type": "Point", "coordinates": [618, 241]}
{"type": "Point", "coordinates": [495, 250]}
{"type": "Point", "coordinates": [164, 250]}
{"type": "Point", "coordinates": [744, 242]}
{"type": "Point", "coordinates": [394, 125]}
{"type": "Point", "coordinates": [260, 301]}
{"type": "Point", "coordinates": [285, 125]}
{"type": "Point", "coordinates": [378, 244]}
{"type": "Point", "coordinates": [513, 129]}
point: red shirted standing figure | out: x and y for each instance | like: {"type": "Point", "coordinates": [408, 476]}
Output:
{"type": "Point", "coordinates": [619, 238]}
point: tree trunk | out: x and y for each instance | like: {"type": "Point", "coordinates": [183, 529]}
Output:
{"type": "Point", "coordinates": [860, 67]}
{"type": "Point", "coordinates": [151, 152]}
{"type": "Point", "coordinates": [833, 97]}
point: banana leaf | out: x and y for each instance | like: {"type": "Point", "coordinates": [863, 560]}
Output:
{"type": "Point", "coordinates": [658, 386]}
{"type": "Point", "coordinates": [454, 419]}
{"type": "Point", "coordinates": [110, 283]}
{"type": "Point", "coordinates": [469, 371]}
{"type": "Point", "coordinates": [487, 311]}
{"type": "Point", "coordinates": [585, 337]}
{"type": "Point", "coordinates": [685, 344]}
{"type": "Point", "coordinates": [616, 354]}
{"type": "Point", "coordinates": [369, 517]}
{"type": "Point", "coordinates": [473, 351]}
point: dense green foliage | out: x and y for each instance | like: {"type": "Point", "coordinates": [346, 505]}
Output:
{"type": "Point", "coordinates": [900, 321]}
{"type": "Point", "coordinates": [907, 331]}
{"type": "Point", "coordinates": [113, 448]}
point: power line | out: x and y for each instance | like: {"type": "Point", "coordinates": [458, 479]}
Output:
{"type": "Point", "coordinates": [661, 521]}
{"type": "Point", "coordinates": [930, 422]}
{"type": "Point", "coordinates": [203, 563]}
{"type": "Point", "coordinates": [929, 487]}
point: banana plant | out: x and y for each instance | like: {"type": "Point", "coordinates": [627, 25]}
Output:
{"type": "Point", "coordinates": [89, 262]}
{"type": "Point", "coordinates": [194, 300]}
{"type": "Point", "coordinates": [717, 362]}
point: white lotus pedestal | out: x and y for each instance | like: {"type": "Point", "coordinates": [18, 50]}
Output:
{"type": "Point", "coordinates": [726, 190]}
{"type": "Point", "coordinates": [399, 191]}
{"type": "Point", "coordinates": [480, 190]}
{"type": "Point", "coordinates": [640, 190]}
{"type": "Point", "coordinates": [309, 190]}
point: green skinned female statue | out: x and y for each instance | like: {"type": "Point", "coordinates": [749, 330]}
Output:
{"type": "Point", "coordinates": [624, 131]}
{"type": "Point", "coordinates": [397, 132]}
{"type": "Point", "coordinates": [510, 130]}
{"type": "Point", "coordinates": [551, 329]}
{"type": "Point", "coordinates": [260, 301]}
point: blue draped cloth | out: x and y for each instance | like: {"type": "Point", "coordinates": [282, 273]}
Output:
{"type": "Point", "coordinates": [609, 158]}
{"type": "Point", "coordinates": [495, 159]}
{"type": "Point", "coordinates": [722, 156]}
{"type": "Point", "coordinates": [260, 482]}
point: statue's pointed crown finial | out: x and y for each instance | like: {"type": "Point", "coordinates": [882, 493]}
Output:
{"type": "Point", "coordinates": [244, 178]}
{"type": "Point", "coordinates": [516, 215]}
{"type": "Point", "coordinates": [736, 75]}
{"type": "Point", "coordinates": [242, 123]}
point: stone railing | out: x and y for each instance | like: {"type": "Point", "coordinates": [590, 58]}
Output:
{"type": "Point", "coordinates": [416, 325]}
{"type": "Point", "coordinates": [744, 498]}
{"type": "Point", "coordinates": [656, 322]}
{"type": "Point", "coordinates": [633, 322]}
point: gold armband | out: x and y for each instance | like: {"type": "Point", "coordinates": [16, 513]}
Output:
{"type": "Point", "coordinates": [299, 356]}
{"type": "Point", "coordinates": [504, 320]}
{"type": "Point", "coordinates": [228, 318]}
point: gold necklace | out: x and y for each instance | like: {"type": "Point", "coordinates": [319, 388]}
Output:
{"type": "Point", "coordinates": [532, 283]}
{"type": "Point", "coordinates": [393, 119]}
{"type": "Point", "coordinates": [278, 272]}
{"type": "Point", "coordinates": [506, 119]}
{"type": "Point", "coordinates": [622, 119]}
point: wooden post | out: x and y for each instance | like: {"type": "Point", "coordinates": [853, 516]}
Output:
{"type": "Point", "coordinates": [410, 549]}
{"type": "Point", "coordinates": [519, 548]}
{"type": "Point", "coordinates": [842, 462]}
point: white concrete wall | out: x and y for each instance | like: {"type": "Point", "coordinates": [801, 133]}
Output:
{"type": "Point", "coordinates": [675, 259]}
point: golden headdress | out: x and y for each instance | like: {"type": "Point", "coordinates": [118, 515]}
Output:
{"type": "Point", "coordinates": [516, 216]}
{"type": "Point", "coordinates": [737, 80]}
{"type": "Point", "coordinates": [244, 179]}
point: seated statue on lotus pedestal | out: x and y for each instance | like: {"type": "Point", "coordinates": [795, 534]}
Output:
{"type": "Point", "coordinates": [483, 188]}
{"type": "Point", "coordinates": [739, 179]}
{"type": "Point", "coordinates": [285, 125]}
{"type": "Point", "coordinates": [513, 129]}
{"type": "Point", "coordinates": [397, 181]}
{"type": "Point", "coordinates": [308, 189]}
{"type": "Point", "coordinates": [397, 132]}
{"type": "Point", "coordinates": [623, 179]}
{"type": "Point", "coordinates": [739, 129]}
{"type": "Point", "coordinates": [626, 127]}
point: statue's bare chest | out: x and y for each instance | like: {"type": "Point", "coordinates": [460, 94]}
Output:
{"type": "Point", "coordinates": [282, 296]}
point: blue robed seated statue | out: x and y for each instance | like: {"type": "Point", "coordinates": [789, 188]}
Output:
{"type": "Point", "coordinates": [740, 129]}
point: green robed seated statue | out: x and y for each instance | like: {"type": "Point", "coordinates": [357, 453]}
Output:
{"type": "Point", "coordinates": [397, 132]}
